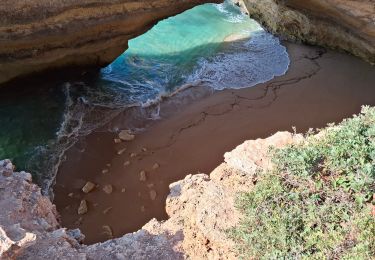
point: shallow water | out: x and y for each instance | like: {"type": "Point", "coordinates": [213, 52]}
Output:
{"type": "Point", "coordinates": [213, 45]}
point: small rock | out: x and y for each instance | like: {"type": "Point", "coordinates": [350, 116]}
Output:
{"type": "Point", "coordinates": [132, 155]}
{"type": "Point", "coordinates": [123, 190]}
{"type": "Point", "coordinates": [150, 185]}
{"type": "Point", "coordinates": [153, 194]}
{"type": "Point", "coordinates": [119, 152]}
{"type": "Point", "coordinates": [144, 149]}
{"type": "Point", "coordinates": [82, 209]}
{"type": "Point", "coordinates": [108, 189]}
{"type": "Point", "coordinates": [117, 140]}
{"type": "Point", "coordinates": [107, 231]}
{"type": "Point", "coordinates": [143, 209]}
{"type": "Point", "coordinates": [89, 186]}
{"type": "Point", "coordinates": [155, 166]}
{"type": "Point", "coordinates": [108, 165]}
{"type": "Point", "coordinates": [107, 210]}
{"type": "Point", "coordinates": [127, 163]}
{"type": "Point", "coordinates": [126, 135]}
{"type": "Point", "coordinates": [142, 176]}
{"type": "Point", "coordinates": [105, 171]}
{"type": "Point", "coordinates": [71, 195]}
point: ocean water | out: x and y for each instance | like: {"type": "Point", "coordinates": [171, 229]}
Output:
{"type": "Point", "coordinates": [213, 45]}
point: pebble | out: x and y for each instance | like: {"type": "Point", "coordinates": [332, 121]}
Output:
{"type": "Point", "coordinates": [132, 155]}
{"type": "Point", "coordinates": [105, 171]}
{"type": "Point", "coordinates": [107, 231]}
{"type": "Point", "coordinates": [71, 195]}
{"type": "Point", "coordinates": [108, 189]}
{"type": "Point", "coordinates": [153, 194]}
{"type": "Point", "coordinates": [119, 152]}
{"type": "Point", "coordinates": [107, 210]}
{"type": "Point", "coordinates": [108, 165]}
{"type": "Point", "coordinates": [82, 209]}
{"type": "Point", "coordinates": [155, 166]}
{"type": "Point", "coordinates": [123, 190]}
{"type": "Point", "coordinates": [144, 149]}
{"type": "Point", "coordinates": [127, 163]}
{"type": "Point", "coordinates": [150, 185]}
{"type": "Point", "coordinates": [117, 140]}
{"type": "Point", "coordinates": [142, 176]}
{"type": "Point", "coordinates": [126, 135]}
{"type": "Point", "coordinates": [89, 186]}
{"type": "Point", "coordinates": [143, 209]}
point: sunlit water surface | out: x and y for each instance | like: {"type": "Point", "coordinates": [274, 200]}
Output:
{"type": "Point", "coordinates": [212, 45]}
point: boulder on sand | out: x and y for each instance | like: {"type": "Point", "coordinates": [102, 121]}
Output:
{"type": "Point", "coordinates": [82, 209]}
{"type": "Point", "coordinates": [126, 135]}
{"type": "Point", "coordinates": [89, 186]}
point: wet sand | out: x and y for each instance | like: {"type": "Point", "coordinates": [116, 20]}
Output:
{"type": "Point", "coordinates": [196, 128]}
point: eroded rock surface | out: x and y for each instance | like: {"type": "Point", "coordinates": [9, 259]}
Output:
{"type": "Point", "coordinates": [200, 208]}
{"type": "Point", "coordinates": [37, 35]}
{"type": "Point", "coordinates": [347, 25]}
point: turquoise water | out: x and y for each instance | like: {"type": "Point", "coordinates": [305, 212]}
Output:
{"type": "Point", "coordinates": [212, 45]}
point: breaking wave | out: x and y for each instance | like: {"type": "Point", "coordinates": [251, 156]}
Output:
{"type": "Point", "coordinates": [230, 51]}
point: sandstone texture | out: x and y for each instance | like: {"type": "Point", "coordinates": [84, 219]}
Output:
{"type": "Point", "coordinates": [200, 208]}
{"type": "Point", "coordinates": [39, 35]}
{"type": "Point", "coordinates": [347, 25]}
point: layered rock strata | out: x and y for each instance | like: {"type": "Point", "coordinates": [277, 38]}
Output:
{"type": "Point", "coordinates": [200, 208]}
{"type": "Point", "coordinates": [39, 35]}
{"type": "Point", "coordinates": [347, 25]}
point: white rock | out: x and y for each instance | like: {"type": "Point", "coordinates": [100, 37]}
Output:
{"type": "Point", "coordinates": [117, 140]}
{"type": "Point", "coordinates": [89, 186]}
{"type": "Point", "coordinates": [127, 163]}
{"type": "Point", "coordinates": [108, 189]}
{"type": "Point", "coordinates": [107, 231]}
{"type": "Point", "coordinates": [82, 209]}
{"type": "Point", "coordinates": [119, 152]}
{"type": "Point", "coordinates": [126, 135]}
{"type": "Point", "coordinates": [142, 176]}
{"type": "Point", "coordinates": [107, 210]}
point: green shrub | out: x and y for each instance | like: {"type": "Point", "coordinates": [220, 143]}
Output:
{"type": "Point", "coordinates": [315, 204]}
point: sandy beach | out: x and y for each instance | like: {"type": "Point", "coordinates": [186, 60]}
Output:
{"type": "Point", "coordinates": [195, 129]}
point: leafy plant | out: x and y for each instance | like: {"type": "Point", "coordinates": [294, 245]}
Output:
{"type": "Point", "coordinates": [315, 203]}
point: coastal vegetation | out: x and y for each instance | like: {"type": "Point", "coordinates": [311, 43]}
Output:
{"type": "Point", "coordinates": [316, 203]}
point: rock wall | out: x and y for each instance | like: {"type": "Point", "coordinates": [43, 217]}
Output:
{"type": "Point", "coordinates": [200, 208]}
{"type": "Point", "coordinates": [347, 25]}
{"type": "Point", "coordinates": [39, 35]}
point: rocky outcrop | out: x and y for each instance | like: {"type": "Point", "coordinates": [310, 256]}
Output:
{"type": "Point", "coordinates": [39, 35]}
{"type": "Point", "coordinates": [347, 25]}
{"type": "Point", "coordinates": [200, 208]}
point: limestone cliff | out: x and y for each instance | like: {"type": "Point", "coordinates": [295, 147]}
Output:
{"type": "Point", "coordinates": [347, 25]}
{"type": "Point", "coordinates": [200, 208]}
{"type": "Point", "coordinates": [39, 35]}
